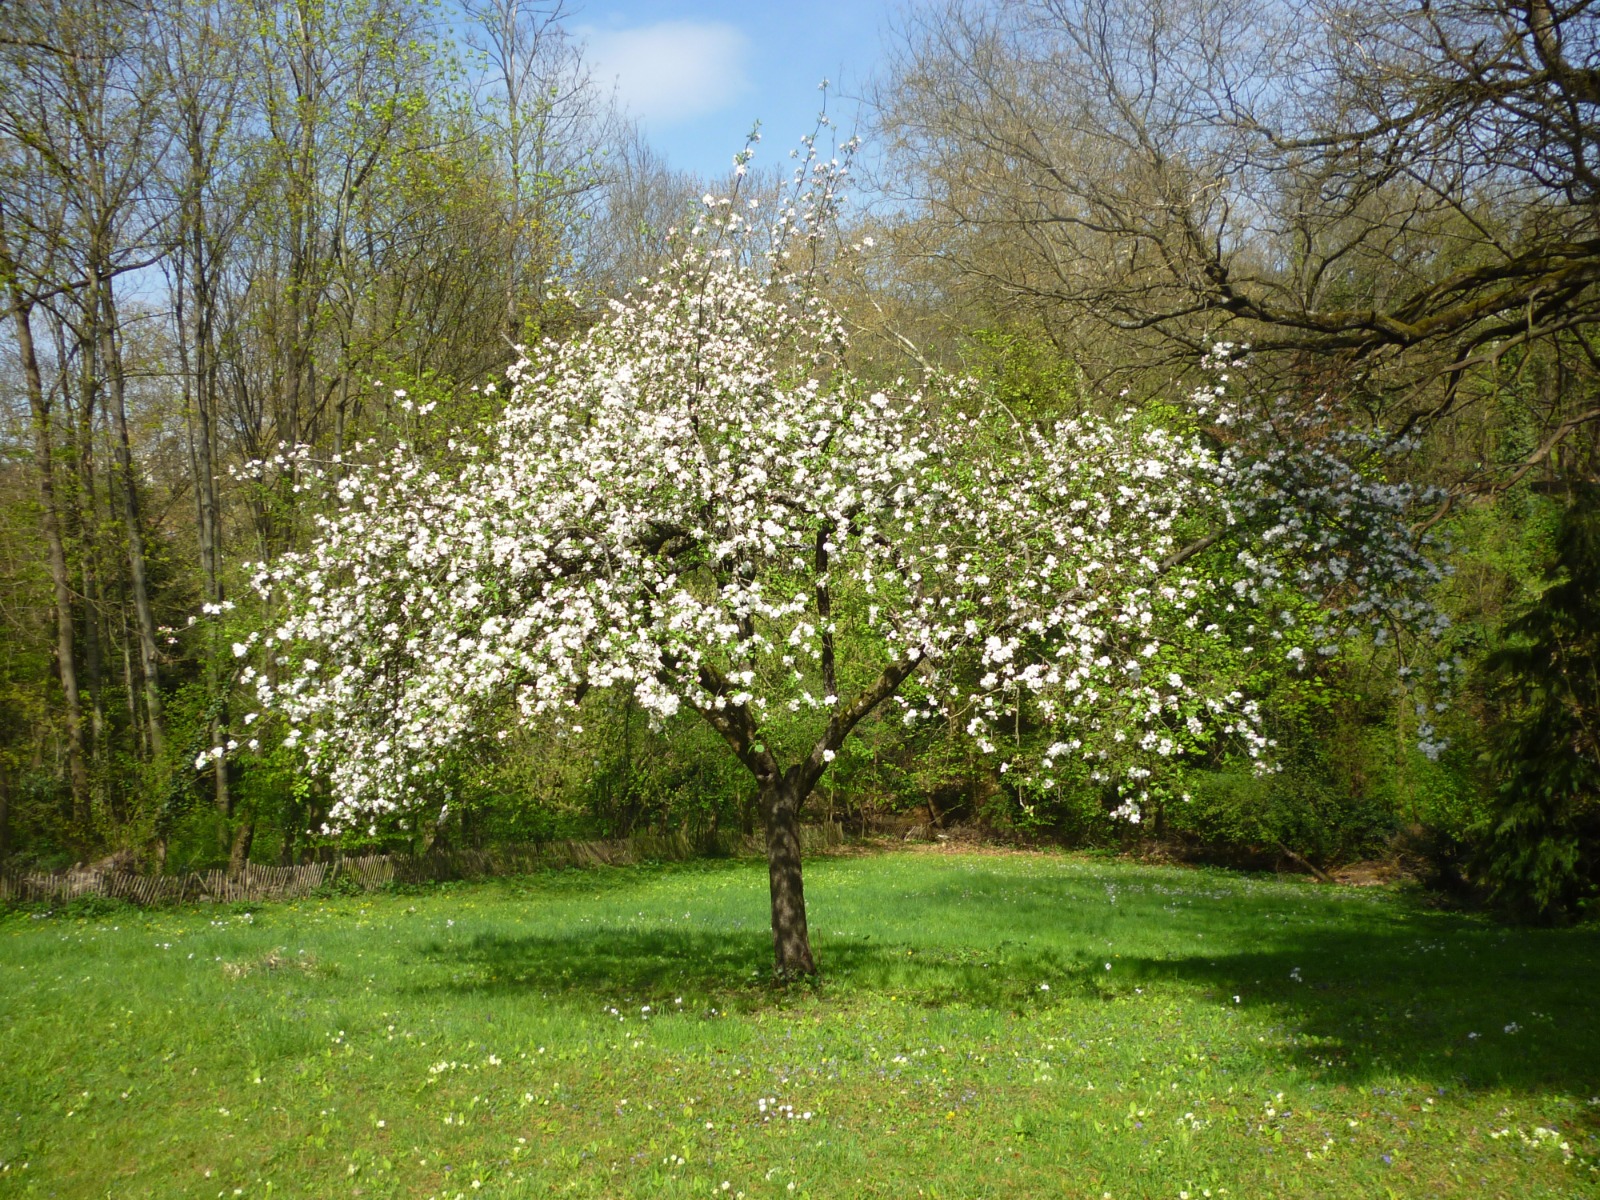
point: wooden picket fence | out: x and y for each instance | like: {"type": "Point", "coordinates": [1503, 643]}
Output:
{"type": "Point", "coordinates": [256, 883]}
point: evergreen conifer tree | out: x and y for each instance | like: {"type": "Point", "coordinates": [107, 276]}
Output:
{"type": "Point", "coordinates": [1541, 856]}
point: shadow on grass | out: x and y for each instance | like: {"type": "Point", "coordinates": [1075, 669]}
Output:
{"type": "Point", "coordinates": [1465, 1005]}
{"type": "Point", "coordinates": [735, 969]}
{"type": "Point", "coordinates": [1346, 989]}
{"type": "Point", "coordinates": [609, 964]}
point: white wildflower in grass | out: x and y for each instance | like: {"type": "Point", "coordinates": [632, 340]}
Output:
{"type": "Point", "coordinates": [695, 499]}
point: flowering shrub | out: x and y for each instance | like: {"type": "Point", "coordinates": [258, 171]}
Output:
{"type": "Point", "coordinates": [698, 498]}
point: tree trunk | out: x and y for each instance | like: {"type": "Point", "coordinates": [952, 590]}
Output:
{"type": "Point", "coordinates": [129, 693]}
{"type": "Point", "coordinates": [222, 793]}
{"type": "Point", "coordinates": [87, 512]}
{"type": "Point", "coordinates": [791, 945]}
{"type": "Point", "coordinates": [242, 837]}
{"type": "Point", "coordinates": [111, 363]}
{"type": "Point", "coordinates": [55, 550]}
{"type": "Point", "coordinates": [782, 793]}
{"type": "Point", "coordinates": [96, 635]}
{"type": "Point", "coordinates": [291, 821]}
{"type": "Point", "coordinates": [202, 441]}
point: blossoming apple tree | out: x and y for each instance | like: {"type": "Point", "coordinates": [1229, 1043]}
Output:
{"type": "Point", "coordinates": [698, 501]}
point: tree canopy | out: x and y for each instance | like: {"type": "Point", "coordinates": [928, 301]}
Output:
{"type": "Point", "coordinates": [699, 501]}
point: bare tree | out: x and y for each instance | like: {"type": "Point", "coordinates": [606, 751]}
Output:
{"type": "Point", "coordinates": [200, 44]}
{"type": "Point", "coordinates": [1392, 197]}
{"type": "Point", "coordinates": [546, 125]}
{"type": "Point", "coordinates": [645, 201]}
{"type": "Point", "coordinates": [82, 101]}
{"type": "Point", "coordinates": [21, 298]}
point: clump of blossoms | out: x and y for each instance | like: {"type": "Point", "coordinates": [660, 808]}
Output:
{"type": "Point", "coordinates": [1334, 521]}
{"type": "Point", "coordinates": [697, 500]}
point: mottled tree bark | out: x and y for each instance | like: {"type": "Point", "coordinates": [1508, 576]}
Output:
{"type": "Point", "coordinates": [791, 944]}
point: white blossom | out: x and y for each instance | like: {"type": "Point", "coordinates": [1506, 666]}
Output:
{"type": "Point", "coordinates": [693, 498]}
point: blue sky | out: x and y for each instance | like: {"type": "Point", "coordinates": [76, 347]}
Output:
{"type": "Point", "coordinates": [698, 73]}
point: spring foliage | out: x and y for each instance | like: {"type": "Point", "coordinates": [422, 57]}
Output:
{"type": "Point", "coordinates": [699, 500]}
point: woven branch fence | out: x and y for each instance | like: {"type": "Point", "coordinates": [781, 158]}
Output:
{"type": "Point", "coordinates": [256, 883]}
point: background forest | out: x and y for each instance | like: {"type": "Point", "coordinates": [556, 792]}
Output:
{"type": "Point", "coordinates": [231, 228]}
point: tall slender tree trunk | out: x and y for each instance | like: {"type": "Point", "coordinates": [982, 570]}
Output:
{"type": "Point", "coordinates": [111, 361]}
{"type": "Point", "coordinates": [55, 551]}
{"type": "Point", "coordinates": [791, 944]}
{"type": "Point", "coordinates": [95, 636]}
{"type": "Point", "coordinates": [129, 691]}
{"type": "Point", "coordinates": [302, 237]}
{"type": "Point", "coordinates": [341, 413]}
{"type": "Point", "coordinates": [85, 508]}
{"type": "Point", "coordinates": [203, 393]}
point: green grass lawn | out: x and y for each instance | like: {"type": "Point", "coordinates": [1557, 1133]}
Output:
{"type": "Point", "coordinates": [988, 1025]}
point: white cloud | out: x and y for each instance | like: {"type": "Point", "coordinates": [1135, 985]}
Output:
{"type": "Point", "coordinates": [671, 71]}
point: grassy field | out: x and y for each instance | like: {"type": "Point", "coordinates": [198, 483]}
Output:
{"type": "Point", "coordinates": [989, 1025]}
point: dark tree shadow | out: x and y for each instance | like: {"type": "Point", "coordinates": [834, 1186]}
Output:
{"type": "Point", "coordinates": [1468, 1006]}
{"type": "Point", "coordinates": [611, 964]}
{"type": "Point", "coordinates": [734, 969]}
{"type": "Point", "coordinates": [1355, 992]}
